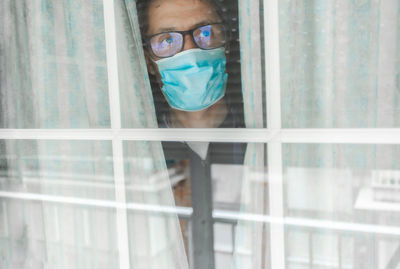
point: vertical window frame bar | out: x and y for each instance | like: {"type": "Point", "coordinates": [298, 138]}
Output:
{"type": "Point", "coordinates": [117, 147]}
{"type": "Point", "coordinates": [273, 101]}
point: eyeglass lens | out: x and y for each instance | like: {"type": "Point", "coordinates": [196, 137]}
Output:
{"type": "Point", "coordinates": [206, 37]}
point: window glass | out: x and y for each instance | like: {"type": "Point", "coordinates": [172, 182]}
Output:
{"type": "Point", "coordinates": [122, 202]}
{"type": "Point", "coordinates": [54, 68]}
{"type": "Point", "coordinates": [340, 202]}
{"type": "Point", "coordinates": [57, 235]}
{"type": "Point", "coordinates": [339, 64]}
{"type": "Point", "coordinates": [192, 57]}
{"type": "Point", "coordinates": [53, 65]}
{"type": "Point", "coordinates": [343, 202]}
{"type": "Point", "coordinates": [57, 197]}
{"type": "Point", "coordinates": [79, 169]}
{"type": "Point", "coordinates": [213, 185]}
{"type": "Point", "coordinates": [65, 194]}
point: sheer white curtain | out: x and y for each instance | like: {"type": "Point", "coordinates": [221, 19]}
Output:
{"type": "Point", "coordinates": [339, 69]}
{"type": "Point", "coordinates": [340, 64]}
{"type": "Point", "coordinates": [54, 75]}
{"type": "Point", "coordinates": [248, 252]}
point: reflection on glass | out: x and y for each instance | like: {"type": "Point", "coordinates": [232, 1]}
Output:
{"type": "Point", "coordinates": [57, 197]}
{"type": "Point", "coordinates": [342, 201]}
{"type": "Point", "coordinates": [341, 206]}
{"type": "Point", "coordinates": [54, 235]}
{"type": "Point", "coordinates": [210, 187]}
{"type": "Point", "coordinates": [81, 169]}
{"type": "Point", "coordinates": [64, 195]}
{"type": "Point", "coordinates": [219, 182]}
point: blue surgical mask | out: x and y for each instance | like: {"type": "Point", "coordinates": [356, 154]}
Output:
{"type": "Point", "coordinates": [193, 79]}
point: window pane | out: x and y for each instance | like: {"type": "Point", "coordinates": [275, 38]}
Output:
{"type": "Point", "coordinates": [212, 185]}
{"type": "Point", "coordinates": [339, 64]}
{"type": "Point", "coordinates": [57, 235]}
{"type": "Point", "coordinates": [56, 198]}
{"type": "Point", "coordinates": [189, 86]}
{"type": "Point", "coordinates": [54, 69]}
{"type": "Point", "coordinates": [343, 205]}
{"type": "Point", "coordinates": [81, 169]}
{"type": "Point", "coordinates": [53, 65]}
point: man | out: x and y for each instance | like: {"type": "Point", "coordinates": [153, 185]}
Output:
{"type": "Point", "coordinates": [185, 47]}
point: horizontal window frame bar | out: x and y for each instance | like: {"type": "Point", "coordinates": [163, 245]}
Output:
{"type": "Point", "coordinates": [218, 215]}
{"type": "Point", "coordinates": [238, 135]}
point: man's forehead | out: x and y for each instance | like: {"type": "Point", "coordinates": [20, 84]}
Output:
{"type": "Point", "coordinates": [180, 14]}
{"type": "Point", "coordinates": [158, 3]}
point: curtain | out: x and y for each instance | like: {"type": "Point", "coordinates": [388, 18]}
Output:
{"type": "Point", "coordinates": [53, 74]}
{"type": "Point", "coordinates": [155, 239]}
{"type": "Point", "coordinates": [339, 69]}
{"type": "Point", "coordinates": [340, 64]}
{"type": "Point", "coordinates": [248, 250]}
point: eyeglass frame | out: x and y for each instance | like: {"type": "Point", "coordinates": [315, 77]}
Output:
{"type": "Point", "coordinates": [147, 39]}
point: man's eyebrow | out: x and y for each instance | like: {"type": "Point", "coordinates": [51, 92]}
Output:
{"type": "Point", "coordinates": [166, 29]}
{"type": "Point", "coordinates": [205, 22]}
{"type": "Point", "coordinates": [171, 29]}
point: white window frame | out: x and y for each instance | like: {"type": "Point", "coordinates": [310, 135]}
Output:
{"type": "Point", "coordinates": [274, 136]}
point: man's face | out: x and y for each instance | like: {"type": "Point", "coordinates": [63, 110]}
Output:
{"type": "Point", "coordinates": [178, 15]}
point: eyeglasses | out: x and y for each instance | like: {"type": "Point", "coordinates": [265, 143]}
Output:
{"type": "Point", "coordinates": [206, 37]}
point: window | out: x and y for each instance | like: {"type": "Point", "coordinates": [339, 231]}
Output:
{"type": "Point", "coordinates": [88, 180]}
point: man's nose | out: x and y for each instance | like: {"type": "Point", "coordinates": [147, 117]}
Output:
{"type": "Point", "coordinates": [189, 42]}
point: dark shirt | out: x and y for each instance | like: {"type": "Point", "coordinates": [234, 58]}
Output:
{"type": "Point", "coordinates": [222, 153]}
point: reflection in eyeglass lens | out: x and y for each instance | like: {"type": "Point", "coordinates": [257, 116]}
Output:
{"type": "Point", "coordinates": [206, 37]}
{"type": "Point", "coordinates": [166, 44]}
{"type": "Point", "coordinates": [209, 36]}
